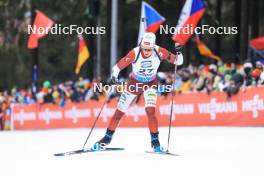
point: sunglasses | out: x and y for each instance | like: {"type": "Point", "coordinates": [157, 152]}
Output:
{"type": "Point", "coordinates": [147, 50]}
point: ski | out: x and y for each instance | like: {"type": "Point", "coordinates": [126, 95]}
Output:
{"type": "Point", "coordinates": [162, 153]}
{"type": "Point", "coordinates": [86, 150]}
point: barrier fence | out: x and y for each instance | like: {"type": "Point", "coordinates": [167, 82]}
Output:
{"type": "Point", "coordinates": [190, 109]}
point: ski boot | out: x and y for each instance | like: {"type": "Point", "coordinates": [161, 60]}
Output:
{"type": "Point", "coordinates": [99, 145]}
{"type": "Point", "coordinates": [155, 144]}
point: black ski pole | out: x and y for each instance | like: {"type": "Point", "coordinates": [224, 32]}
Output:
{"type": "Point", "coordinates": [172, 102]}
{"type": "Point", "coordinates": [96, 120]}
{"type": "Point", "coordinates": [178, 50]}
{"type": "Point", "coordinates": [94, 124]}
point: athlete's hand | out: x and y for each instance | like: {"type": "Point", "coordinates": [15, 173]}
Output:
{"type": "Point", "coordinates": [114, 80]}
{"type": "Point", "coordinates": [179, 59]}
{"type": "Point", "coordinates": [178, 48]}
{"type": "Point", "coordinates": [179, 56]}
{"type": "Point", "coordinates": [114, 74]}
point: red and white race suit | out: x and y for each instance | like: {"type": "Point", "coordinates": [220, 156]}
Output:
{"type": "Point", "coordinates": [144, 70]}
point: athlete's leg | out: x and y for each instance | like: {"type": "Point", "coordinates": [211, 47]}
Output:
{"type": "Point", "coordinates": [150, 97]}
{"type": "Point", "coordinates": [115, 119]}
{"type": "Point", "coordinates": [124, 102]}
{"type": "Point", "coordinates": [152, 119]}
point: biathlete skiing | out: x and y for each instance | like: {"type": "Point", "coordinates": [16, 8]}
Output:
{"type": "Point", "coordinates": [145, 60]}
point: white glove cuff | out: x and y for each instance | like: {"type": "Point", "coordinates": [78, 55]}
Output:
{"type": "Point", "coordinates": [115, 71]}
{"type": "Point", "coordinates": [179, 59]}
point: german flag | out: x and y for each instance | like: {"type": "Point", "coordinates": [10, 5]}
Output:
{"type": "Point", "coordinates": [83, 54]}
{"type": "Point", "coordinates": [204, 50]}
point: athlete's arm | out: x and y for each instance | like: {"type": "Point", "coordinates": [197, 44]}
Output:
{"type": "Point", "coordinates": [123, 63]}
{"type": "Point", "coordinates": [170, 57]}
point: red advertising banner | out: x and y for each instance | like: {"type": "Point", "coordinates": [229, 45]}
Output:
{"type": "Point", "coordinates": [190, 109]}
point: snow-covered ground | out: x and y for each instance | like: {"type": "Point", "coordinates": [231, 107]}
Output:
{"type": "Point", "coordinates": [207, 151]}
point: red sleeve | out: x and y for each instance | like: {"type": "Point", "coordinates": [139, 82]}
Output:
{"type": "Point", "coordinates": [165, 54]}
{"type": "Point", "coordinates": [125, 61]}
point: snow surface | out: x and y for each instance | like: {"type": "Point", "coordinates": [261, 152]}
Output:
{"type": "Point", "coordinates": [205, 151]}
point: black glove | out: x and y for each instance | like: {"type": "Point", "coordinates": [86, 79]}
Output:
{"type": "Point", "coordinates": [178, 48]}
{"type": "Point", "coordinates": [114, 80]}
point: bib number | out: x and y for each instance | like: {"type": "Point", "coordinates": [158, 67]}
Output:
{"type": "Point", "coordinates": [145, 71]}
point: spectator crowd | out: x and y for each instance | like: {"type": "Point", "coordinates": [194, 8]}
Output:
{"type": "Point", "coordinates": [229, 78]}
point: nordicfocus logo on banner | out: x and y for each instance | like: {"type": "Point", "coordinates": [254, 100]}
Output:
{"type": "Point", "coordinates": [190, 109]}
